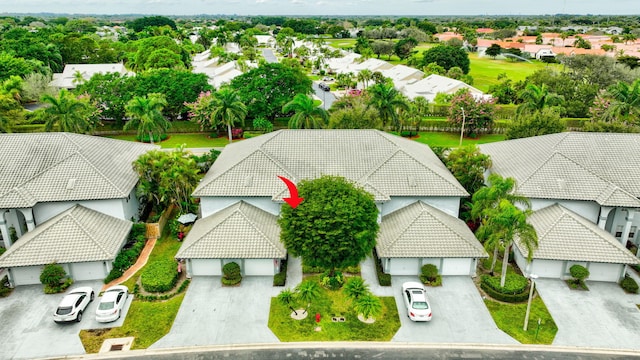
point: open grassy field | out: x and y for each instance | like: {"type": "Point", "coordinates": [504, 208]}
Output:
{"type": "Point", "coordinates": [485, 70]}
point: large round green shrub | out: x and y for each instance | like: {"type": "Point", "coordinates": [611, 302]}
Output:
{"type": "Point", "coordinates": [629, 285]}
{"type": "Point", "coordinates": [579, 272]}
{"type": "Point", "coordinates": [52, 275]}
{"type": "Point", "coordinates": [160, 276]}
{"type": "Point", "coordinates": [231, 274]}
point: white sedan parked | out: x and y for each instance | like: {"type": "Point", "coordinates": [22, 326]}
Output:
{"type": "Point", "coordinates": [416, 302]}
{"type": "Point", "coordinates": [73, 305]}
{"type": "Point", "coordinates": [112, 303]}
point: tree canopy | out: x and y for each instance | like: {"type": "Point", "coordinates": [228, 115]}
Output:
{"type": "Point", "coordinates": [266, 89]}
{"type": "Point", "coordinates": [334, 227]}
{"type": "Point", "coordinates": [447, 57]}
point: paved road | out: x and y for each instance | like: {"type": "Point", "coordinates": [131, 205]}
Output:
{"type": "Point", "coordinates": [360, 350]}
{"type": "Point", "coordinates": [269, 56]}
{"type": "Point", "coordinates": [326, 96]}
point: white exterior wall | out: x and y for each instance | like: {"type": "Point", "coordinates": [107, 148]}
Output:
{"type": "Point", "coordinates": [211, 205]}
{"type": "Point", "coordinates": [450, 205]}
{"type": "Point", "coordinates": [587, 209]}
{"type": "Point", "coordinates": [130, 206]}
{"type": "Point", "coordinates": [94, 270]}
{"type": "Point", "coordinates": [619, 218]}
{"type": "Point", "coordinates": [45, 211]}
{"type": "Point", "coordinates": [259, 267]}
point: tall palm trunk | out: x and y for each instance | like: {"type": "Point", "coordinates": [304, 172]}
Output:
{"type": "Point", "coordinates": [495, 259]}
{"type": "Point", "coordinates": [150, 137]}
{"type": "Point", "coordinates": [505, 263]}
{"type": "Point", "coordinates": [229, 131]}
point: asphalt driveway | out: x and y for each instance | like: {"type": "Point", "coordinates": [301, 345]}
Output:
{"type": "Point", "coordinates": [211, 314]}
{"type": "Point", "coordinates": [459, 315]}
{"type": "Point", "coordinates": [604, 317]}
{"type": "Point", "coordinates": [28, 330]}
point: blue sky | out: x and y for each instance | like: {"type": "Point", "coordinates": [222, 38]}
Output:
{"type": "Point", "coordinates": [324, 7]}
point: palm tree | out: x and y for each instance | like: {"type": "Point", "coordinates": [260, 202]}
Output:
{"type": "Point", "coordinates": [307, 114]}
{"type": "Point", "coordinates": [629, 37]}
{"type": "Point", "coordinates": [488, 198]}
{"type": "Point", "coordinates": [145, 114]}
{"type": "Point", "coordinates": [564, 37]}
{"type": "Point", "coordinates": [355, 288]}
{"type": "Point", "coordinates": [13, 86]}
{"type": "Point", "coordinates": [387, 100]}
{"type": "Point", "coordinates": [510, 223]}
{"type": "Point", "coordinates": [67, 112]}
{"type": "Point", "coordinates": [535, 98]}
{"type": "Point", "coordinates": [228, 109]}
{"type": "Point", "coordinates": [626, 100]}
{"type": "Point", "coordinates": [78, 79]}
{"type": "Point", "coordinates": [308, 291]}
{"type": "Point", "coordinates": [368, 305]}
{"type": "Point", "coordinates": [364, 76]}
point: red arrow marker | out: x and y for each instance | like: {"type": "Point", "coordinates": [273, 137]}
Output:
{"type": "Point", "coordinates": [293, 200]}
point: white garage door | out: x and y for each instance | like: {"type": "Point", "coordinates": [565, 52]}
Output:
{"type": "Point", "coordinates": [404, 266]}
{"type": "Point", "coordinates": [87, 271]}
{"type": "Point", "coordinates": [26, 275]}
{"type": "Point", "coordinates": [454, 266]}
{"type": "Point", "coordinates": [259, 267]}
{"type": "Point", "coordinates": [205, 267]}
{"type": "Point", "coordinates": [604, 272]}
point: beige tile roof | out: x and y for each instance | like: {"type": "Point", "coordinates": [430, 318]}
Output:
{"type": "Point", "coordinates": [240, 231]}
{"type": "Point", "coordinates": [420, 230]}
{"type": "Point", "coordinates": [76, 235]}
{"type": "Point", "coordinates": [564, 235]}
{"type": "Point", "coordinates": [43, 167]}
{"type": "Point", "coordinates": [600, 167]}
{"type": "Point", "coordinates": [384, 164]}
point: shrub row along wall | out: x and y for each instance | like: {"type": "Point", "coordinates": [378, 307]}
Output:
{"type": "Point", "coordinates": [516, 288]}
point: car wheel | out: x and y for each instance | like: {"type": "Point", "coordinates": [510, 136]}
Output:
{"type": "Point", "coordinates": [92, 296]}
{"type": "Point", "coordinates": [79, 317]}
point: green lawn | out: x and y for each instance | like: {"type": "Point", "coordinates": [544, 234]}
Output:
{"type": "Point", "coordinates": [341, 43]}
{"type": "Point", "coordinates": [485, 70]}
{"type": "Point", "coordinates": [451, 140]}
{"type": "Point", "coordinates": [510, 319]}
{"type": "Point", "coordinates": [193, 140]}
{"type": "Point", "coordinates": [333, 303]}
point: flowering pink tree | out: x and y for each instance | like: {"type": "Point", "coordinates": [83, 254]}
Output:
{"type": "Point", "coordinates": [477, 114]}
{"type": "Point", "coordinates": [200, 111]}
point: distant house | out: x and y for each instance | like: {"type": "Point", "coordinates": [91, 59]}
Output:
{"type": "Point", "coordinates": [586, 195]}
{"type": "Point", "coordinates": [402, 74]}
{"type": "Point", "coordinates": [69, 79]}
{"type": "Point", "coordinates": [417, 197]}
{"type": "Point", "coordinates": [434, 84]}
{"type": "Point", "coordinates": [61, 193]}
{"type": "Point", "coordinates": [217, 72]}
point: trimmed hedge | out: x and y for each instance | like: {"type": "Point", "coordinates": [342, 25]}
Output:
{"type": "Point", "coordinates": [430, 275]}
{"type": "Point", "coordinates": [160, 276]}
{"type": "Point", "coordinates": [5, 290]}
{"type": "Point", "coordinates": [130, 252]}
{"type": "Point", "coordinates": [136, 292]}
{"type": "Point", "coordinates": [629, 285]}
{"type": "Point", "coordinates": [280, 278]}
{"type": "Point", "coordinates": [383, 279]}
{"type": "Point", "coordinates": [145, 138]}
{"type": "Point", "coordinates": [515, 289]}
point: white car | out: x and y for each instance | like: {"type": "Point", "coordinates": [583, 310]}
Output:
{"type": "Point", "coordinates": [73, 305]}
{"type": "Point", "coordinates": [416, 302]}
{"type": "Point", "coordinates": [112, 303]}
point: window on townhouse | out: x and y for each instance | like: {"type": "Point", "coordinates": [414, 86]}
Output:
{"type": "Point", "coordinates": [619, 231]}
{"type": "Point", "coordinates": [632, 232]}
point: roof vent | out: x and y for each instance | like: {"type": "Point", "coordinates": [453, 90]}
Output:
{"type": "Point", "coordinates": [71, 184]}
{"type": "Point", "coordinates": [248, 181]}
{"type": "Point", "coordinates": [562, 184]}
{"type": "Point", "coordinates": [412, 180]}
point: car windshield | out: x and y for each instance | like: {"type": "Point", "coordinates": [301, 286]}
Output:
{"type": "Point", "coordinates": [105, 305]}
{"type": "Point", "coordinates": [420, 305]}
{"type": "Point", "coordinates": [63, 310]}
